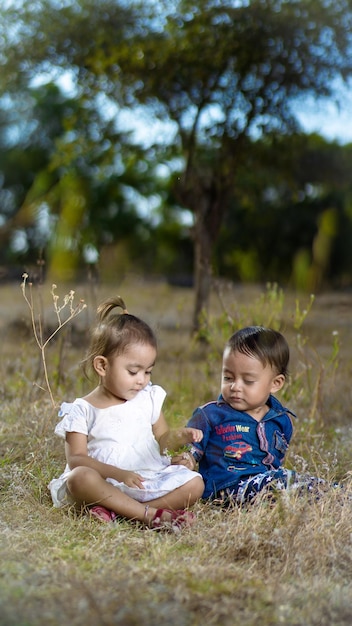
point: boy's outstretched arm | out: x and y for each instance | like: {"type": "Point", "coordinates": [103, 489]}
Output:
{"type": "Point", "coordinates": [172, 440]}
{"type": "Point", "coordinates": [176, 438]}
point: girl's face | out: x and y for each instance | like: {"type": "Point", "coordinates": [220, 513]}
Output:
{"type": "Point", "coordinates": [246, 384]}
{"type": "Point", "coordinates": [123, 376]}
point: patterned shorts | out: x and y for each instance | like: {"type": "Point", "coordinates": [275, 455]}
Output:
{"type": "Point", "coordinates": [271, 481]}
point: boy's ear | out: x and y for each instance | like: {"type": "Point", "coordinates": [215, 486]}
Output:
{"type": "Point", "coordinates": [278, 383]}
{"type": "Point", "coordinates": [99, 364]}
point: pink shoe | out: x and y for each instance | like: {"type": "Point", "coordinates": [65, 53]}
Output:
{"type": "Point", "coordinates": [103, 514]}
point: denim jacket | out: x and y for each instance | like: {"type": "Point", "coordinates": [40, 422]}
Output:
{"type": "Point", "coordinates": [236, 446]}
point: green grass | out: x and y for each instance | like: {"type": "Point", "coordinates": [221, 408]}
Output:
{"type": "Point", "coordinates": [284, 563]}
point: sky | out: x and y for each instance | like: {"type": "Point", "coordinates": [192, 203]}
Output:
{"type": "Point", "coordinates": [329, 120]}
{"type": "Point", "coordinates": [325, 118]}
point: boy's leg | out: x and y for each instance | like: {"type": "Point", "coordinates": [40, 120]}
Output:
{"type": "Point", "coordinates": [278, 480]}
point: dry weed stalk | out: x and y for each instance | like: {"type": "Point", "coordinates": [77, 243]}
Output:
{"type": "Point", "coordinates": [37, 322]}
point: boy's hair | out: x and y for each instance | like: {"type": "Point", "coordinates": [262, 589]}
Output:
{"type": "Point", "coordinates": [114, 332]}
{"type": "Point", "coordinates": [265, 344]}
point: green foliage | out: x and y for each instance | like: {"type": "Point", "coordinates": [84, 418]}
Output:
{"type": "Point", "coordinates": [288, 214]}
{"type": "Point", "coordinates": [266, 310]}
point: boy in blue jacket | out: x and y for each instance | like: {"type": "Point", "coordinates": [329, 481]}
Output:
{"type": "Point", "coordinates": [246, 431]}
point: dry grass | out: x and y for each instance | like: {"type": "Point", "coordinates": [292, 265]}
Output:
{"type": "Point", "coordinates": [284, 563]}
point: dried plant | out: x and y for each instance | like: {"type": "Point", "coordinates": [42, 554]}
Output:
{"type": "Point", "coordinates": [67, 306]}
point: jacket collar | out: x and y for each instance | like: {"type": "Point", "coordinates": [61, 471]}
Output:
{"type": "Point", "coordinates": [275, 407]}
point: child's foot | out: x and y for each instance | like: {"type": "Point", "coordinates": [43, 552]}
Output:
{"type": "Point", "coordinates": [103, 514]}
{"type": "Point", "coordinates": [167, 519]}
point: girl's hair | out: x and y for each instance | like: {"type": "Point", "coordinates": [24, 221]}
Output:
{"type": "Point", "coordinates": [114, 332]}
{"type": "Point", "coordinates": [265, 344]}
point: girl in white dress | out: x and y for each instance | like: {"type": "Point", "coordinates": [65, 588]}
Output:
{"type": "Point", "coordinates": [116, 437]}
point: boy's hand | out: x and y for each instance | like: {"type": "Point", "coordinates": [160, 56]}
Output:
{"type": "Point", "coordinates": [185, 458]}
{"type": "Point", "coordinates": [192, 435]}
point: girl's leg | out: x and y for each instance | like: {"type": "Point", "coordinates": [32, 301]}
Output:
{"type": "Point", "coordinates": [86, 486]}
{"type": "Point", "coordinates": [182, 497]}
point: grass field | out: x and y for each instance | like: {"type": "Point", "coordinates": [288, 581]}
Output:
{"type": "Point", "coordinates": [284, 563]}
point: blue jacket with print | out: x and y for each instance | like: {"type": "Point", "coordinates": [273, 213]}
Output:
{"type": "Point", "coordinates": [236, 446]}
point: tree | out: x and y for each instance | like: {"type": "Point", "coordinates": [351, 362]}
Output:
{"type": "Point", "coordinates": [225, 71]}
{"type": "Point", "coordinates": [220, 72]}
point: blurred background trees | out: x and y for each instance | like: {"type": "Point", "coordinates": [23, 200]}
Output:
{"type": "Point", "coordinates": [163, 137]}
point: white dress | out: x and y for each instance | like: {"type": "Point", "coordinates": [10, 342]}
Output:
{"type": "Point", "coordinates": [122, 436]}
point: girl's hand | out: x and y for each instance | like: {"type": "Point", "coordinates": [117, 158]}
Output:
{"type": "Point", "coordinates": [131, 479]}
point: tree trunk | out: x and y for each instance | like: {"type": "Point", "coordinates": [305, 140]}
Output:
{"type": "Point", "coordinates": [202, 272]}
{"type": "Point", "coordinates": [205, 193]}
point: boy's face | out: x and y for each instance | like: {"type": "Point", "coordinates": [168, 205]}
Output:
{"type": "Point", "coordinates": [246, 384]}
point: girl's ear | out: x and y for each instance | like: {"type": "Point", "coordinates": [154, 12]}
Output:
{"type": "Point", "coordinates": [99, 364]}
{"type": "Point", "coordinates": [278, 383]}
